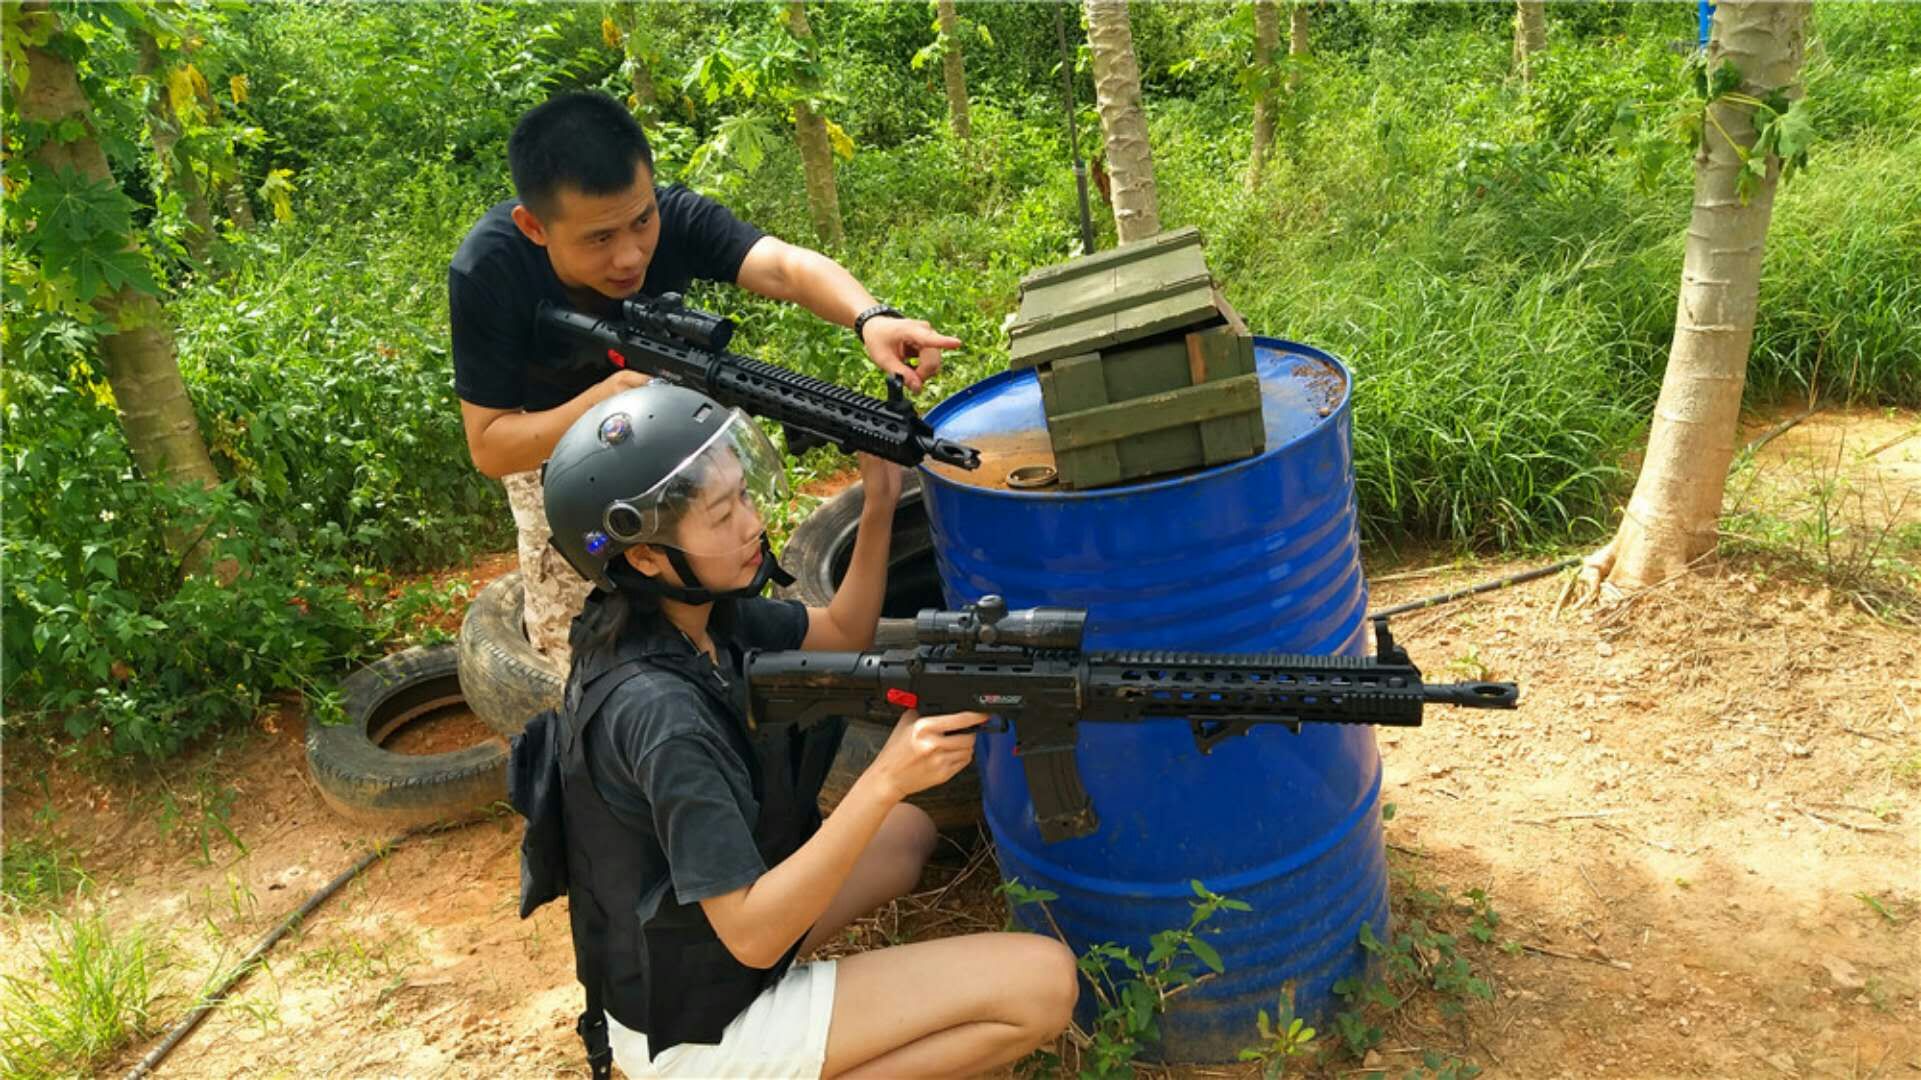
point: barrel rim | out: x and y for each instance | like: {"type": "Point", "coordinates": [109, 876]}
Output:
{"type": "Point", "coordinates": [967, 394]}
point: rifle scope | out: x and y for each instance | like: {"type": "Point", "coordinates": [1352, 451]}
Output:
{"type": "Point", "coordinates": [668, 316]}
{"type": "Point", "coordinates": [990, 623]}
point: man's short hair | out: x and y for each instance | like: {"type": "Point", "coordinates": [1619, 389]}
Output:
{"type": "Point", "coordinates": [586, 141]}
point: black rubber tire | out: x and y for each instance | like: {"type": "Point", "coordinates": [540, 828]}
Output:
{"type": "Point", "coordinates": [820, 547]}
{"type": "Point", "coordinates": [817, 554]}
{"type": "Point", "coordinates": [506, 682]}
{"type": "Point", "coordinates": [363, 782]}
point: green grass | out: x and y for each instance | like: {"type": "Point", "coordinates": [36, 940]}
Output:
{"type": "Point", "coordinates": [38, 873]}
{"type": "Point", "coordinates": [89, 998]}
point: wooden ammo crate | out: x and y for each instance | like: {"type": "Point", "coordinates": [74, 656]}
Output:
{"type": "Point", "coordinates": [1144, 368]}
{"type": "Point", "coordinates": [1152, 409]}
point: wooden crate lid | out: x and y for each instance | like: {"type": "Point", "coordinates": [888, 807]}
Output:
{"type": "Point", "coordinates": [1113, 297]}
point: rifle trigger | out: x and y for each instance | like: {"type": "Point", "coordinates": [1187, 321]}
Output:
{"type": "Point", "coordinates": [618, 360]}
{"type": "Point", "coordinates": [903, 698]}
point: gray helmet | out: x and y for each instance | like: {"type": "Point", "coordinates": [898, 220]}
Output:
{"type": "Point", "coordinates": [661, 464]}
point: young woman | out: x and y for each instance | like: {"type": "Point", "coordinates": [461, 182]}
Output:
{"type": "Point", "coordinates": [699, 870]}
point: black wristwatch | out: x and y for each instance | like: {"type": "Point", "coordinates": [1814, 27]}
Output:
{"type": "Point", "coordinates": [860, 321]}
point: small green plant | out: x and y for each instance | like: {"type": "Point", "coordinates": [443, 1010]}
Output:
{"type": "Point", "coordinates": [1420, 961]}
{"type": "Point", "coordinates": [201, 814]}
{"type": "Point", "coordinates": [1469, 664]}
{"type": "Point", "coordinates": [1888, 915]}
{"type": "Point", "coordinates": [1130, 993]}
{"type": "Point", "coordinates": [1908, 770]}
{"type": "Point", "coordinates": [1283, 1038]}
{"type": "Point", "coordinates": [37, 872]}
{"type": "Point", "coordinates": [91, 997]}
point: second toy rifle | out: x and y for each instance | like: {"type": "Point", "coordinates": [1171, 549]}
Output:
{"type": "Point", "coordinates": [666, 339]}
{"type": "Point", "coordinates": [1028, 670]}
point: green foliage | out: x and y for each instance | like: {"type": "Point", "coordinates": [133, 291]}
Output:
{"type": "Point", "coordinates": [1283, 1038]}
{"type": "Point", "coordinates": [38, 872]}
{"type": "Point", "coordinates": [91, 997]}
{"type": "Point", "coordinates": [1130, 993]}
{"type": "Point", "coordinates": [80, 231]}
{"type": "Point", "coordinates": [1847, 536]}
{"type": "Point", "coordinates": [1420, 968]}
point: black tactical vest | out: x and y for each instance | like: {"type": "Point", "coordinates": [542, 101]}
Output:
{"type": "Point", "coordinates": [652, 963]}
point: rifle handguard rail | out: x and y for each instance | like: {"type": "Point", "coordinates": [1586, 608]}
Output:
{"type": "Point", "coordinates": [668, 340]}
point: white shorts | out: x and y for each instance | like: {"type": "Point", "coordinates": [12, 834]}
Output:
{"type": "Point", "coordinates": [781, 1034]}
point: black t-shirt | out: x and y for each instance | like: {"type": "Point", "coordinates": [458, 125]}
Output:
{"type": "Point", "coordinates": [660, 752]}
{"type": "Point", "coordinates": [499, 276]}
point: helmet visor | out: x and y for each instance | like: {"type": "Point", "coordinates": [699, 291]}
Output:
{"type": "Point", "coordinates": [719, 501]}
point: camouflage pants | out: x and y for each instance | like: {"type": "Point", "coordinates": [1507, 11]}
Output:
{"type": "Point", "coordinates": [554, 590]}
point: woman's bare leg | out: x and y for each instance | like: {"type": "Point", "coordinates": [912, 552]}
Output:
{"type": "Point", "coordinates": [890, 867]}
{"type": "Point", "coordinates": [950, 1007]}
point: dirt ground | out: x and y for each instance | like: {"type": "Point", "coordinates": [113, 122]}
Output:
{"type": "Point", "coordinates": [1701, 830]}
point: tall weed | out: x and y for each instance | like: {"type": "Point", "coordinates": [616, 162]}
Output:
{"type": "Point", "coordinates": [91, 997]}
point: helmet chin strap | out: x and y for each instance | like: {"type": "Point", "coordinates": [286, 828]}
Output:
{"type": "Point", "coordinates": [696, 593]}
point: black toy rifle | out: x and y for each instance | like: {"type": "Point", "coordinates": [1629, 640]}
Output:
{"type": "Point", "coordinates": [1027, 668]}
{"type": "Point", "coordinates": [666, 339]}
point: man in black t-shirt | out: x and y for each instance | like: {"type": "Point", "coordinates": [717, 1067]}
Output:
{"type": "Point", "coordinates": [588, 228]}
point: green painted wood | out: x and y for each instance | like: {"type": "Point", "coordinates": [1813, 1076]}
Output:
{"type": "Point", "coordinates": [1078, 384]}
{"type": "Point", "coordinates": [1107, 300]}
{"type": "Point", "coordinates": [1216, 355]}
{"type": "Point", "coordinates": [1155, 412]}
{"type": "Point", "coordinates": [1088, 264]}
{"type": "Point", "coordinates": [1145, 369]}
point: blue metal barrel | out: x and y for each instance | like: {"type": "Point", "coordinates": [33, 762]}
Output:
{"type": "Point", "coordinates": [1257, 555]}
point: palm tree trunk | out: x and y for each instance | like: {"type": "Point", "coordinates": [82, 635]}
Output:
{"type": "Point", "coordinates": [816, 153]}
{"type": "Point", "coordinates": [1267, 36]}
{"type": "Point", "coordinates": [954, 70]}
{"type": "Point", "coordinates": [1530, 34]}
{"type": "Point", "coordinates": [239, 210]}
{"type": "Point", "coordinates": [645, 102]}
{"type": "Point", "coordinates": [1672, 518]}
{"type": "Point", "coordinates": [1296, 40]}
{"type": "Point", "coordinates": [1117, 92]}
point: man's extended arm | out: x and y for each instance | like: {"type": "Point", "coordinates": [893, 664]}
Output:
{"type": "Point", "coordinates": [507, 441]}
{"type": "Point", "coordinates": [781, 271]}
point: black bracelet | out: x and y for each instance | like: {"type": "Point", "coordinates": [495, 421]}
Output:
{"type": "Point", "coordinates": [860, 321]}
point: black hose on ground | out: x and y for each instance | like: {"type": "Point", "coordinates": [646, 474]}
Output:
{"type": "Point", "coordinates": [187, 1023]}
{"type": "Point", "coordinates": [1473, 590]}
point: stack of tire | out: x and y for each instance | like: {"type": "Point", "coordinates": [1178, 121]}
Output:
{"type": "Point", "coordinates": [506, 682]}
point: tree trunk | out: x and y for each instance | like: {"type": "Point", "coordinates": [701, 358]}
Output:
{"type": "Point", "coordinates": [1117, 91]}
{"type": "Point", "coordinates": [646, 102]}
{"type": "Point", "coordinates": [816, 153]}
{"type": "Point", "coordinates": [1267, 35]}
{"type": "Point", "coordinates": [1671, 518]}
{"type": "Point", "coordinates": [165, 126]}
{"type": "Point", "coordinates": [1530, 34]}
{"type": "Point", "coordinates": [1296, 40]}
{"type": "Point", "coordinates": [155, 412]}
{"type": "Point", "coordinates": [239, 210]}
{"type": "Point", "coordinates": [953, 70]}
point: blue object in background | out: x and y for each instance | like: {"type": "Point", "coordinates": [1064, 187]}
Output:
{"type": "Point", "coordinates": [1257, 555]}
{"type": "Point", "coordinates": [1705, 14]}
